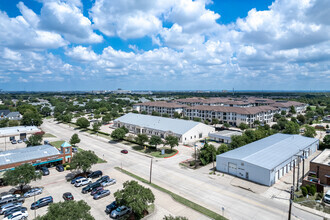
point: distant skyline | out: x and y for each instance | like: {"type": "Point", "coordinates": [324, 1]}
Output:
{"type": "Point", "coordinates": [68, 45]}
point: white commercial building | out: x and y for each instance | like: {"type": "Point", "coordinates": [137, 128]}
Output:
{"type": "Point", "coordinates": [186, 131]}
{"type": "Point", "coordinates": [224, 136]}
{"type": "Point", "coordinates": [265, 161]}
{"type": "Point", "coordinates": [20, 132]}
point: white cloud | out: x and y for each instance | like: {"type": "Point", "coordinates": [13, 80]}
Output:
{"type": "Point", "coordinates": [81, 54]}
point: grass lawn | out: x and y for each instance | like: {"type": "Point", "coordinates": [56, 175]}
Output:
{"type": "Point", "coordinates": [48, 135]}
{"type": "Point", "coordinates": [57, 144]}
{"type": "Point", "coordinates": [154, 152]}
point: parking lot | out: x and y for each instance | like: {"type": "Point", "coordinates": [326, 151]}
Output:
{"type": "Point", "coordinates": [55, 185]}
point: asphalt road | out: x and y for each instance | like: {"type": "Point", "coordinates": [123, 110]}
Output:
{"type": "Point", "coordinates": [238, 203]}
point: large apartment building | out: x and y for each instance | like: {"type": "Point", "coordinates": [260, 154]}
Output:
{"type": "Point", "coordinates": [232, 115]}
{"type": "Point", "coordinates": [160, 107]}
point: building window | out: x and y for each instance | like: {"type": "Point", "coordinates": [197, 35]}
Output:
{"type": "Point", "coordinates": [200, 135]}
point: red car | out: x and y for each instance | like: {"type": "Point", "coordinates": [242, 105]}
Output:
{"type": "Point", "coordinates": [124, 151]}
{"type": "Point", "coordinates": [68, 196]}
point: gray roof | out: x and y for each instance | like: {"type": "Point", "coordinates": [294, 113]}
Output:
{"type": "Point", "coordinates": [177, 126]}
{"type": "Point", "coordinates": [12, 131]}
{"type": "Point", "coordinates": [28, 153]}
{"type": "Point", "coordinates": [225, 134]}
{"type": "Point", "coordinates": [271, 151]}
{"type": "Point", "coordinates": [14, 115]}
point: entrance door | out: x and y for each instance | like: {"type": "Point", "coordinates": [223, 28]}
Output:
{"type": "Point", "coordinates": [232, 168]}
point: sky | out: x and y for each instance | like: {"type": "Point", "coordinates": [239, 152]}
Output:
{"type": "Point", "coordinates": [59, 45]}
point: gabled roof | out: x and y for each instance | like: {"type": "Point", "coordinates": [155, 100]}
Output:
{"type": "Point", "coordinates": [4, 112]}
{"type": "Point", "coordinates": [28, 153]}
{"type": "Point", "coordinates": [177, 126]}
{"type": "Point", "coordinates": [65, 144]}
{"type": "Point", "coordinates": [271, 151]}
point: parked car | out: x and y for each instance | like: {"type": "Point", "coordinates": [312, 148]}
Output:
{"type": "Point", "coordinates": [112, 206]}
{"type": "Point", "coordinates": [68, 196]}
{"type": "Point", "coordinates": [95, 174]}
{"type": "Point", "coordinates": [73, 181]}
{"type": "Point", "coordinates": [74, 150]}
{"type": "Point", "coordinates": [101, 194]}
{"type": "Point", "coordinates": [60, 168]}
{"type": "Point", "coordinates": [24, 140]}
{"type": "Point", "coordinates": [82, 182]}
{"type": "Point", "coordinates": [120, 211]}
{"type": "Point", "coordinates": [9, 206]}
{"type": "Point", "coordinates": [42, 202]}
{"type": "Point", "coordinates": [7, 196]}
{"type": "Point", "coordinates": [85, 174]}
{"type": "Point", "coordinates": [19, 141]}
{"type": "Point", "coordinates": [17, 209]}
{"type": "Point", "coordinates": [326, 197]}
{"type": "Point", "coordinates": [102, 179]}
{"type": "Point", "coordinates": [33, 192]}
{"type": "Point", "coordinates": [90, 187]}
{"type": "Point", "coordinates": [327, 131]}
{"type": "Point", "coordinates": [20, 215]}
{"type": "Point", "coordinates": [124, 151]}
{"type": "Point", "coordinates": [108, 182]}
{"type": "Point", "coordinates": [44, 171]}
{"type": "Point", "coordinates": [46, 142]}
{"type": "Point", "coordinates": [12, 199]}
{"type": "Point", "coordinates": [96, 190]}
{"type": "Point", "coordinates": [14, 141]}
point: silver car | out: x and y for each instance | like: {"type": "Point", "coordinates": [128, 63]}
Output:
{"type": "Point", "coordinates": [101, 194]}
{"type": "Point", "coordinates": [108, 182]}
{"type": "Point", "coordinates": [120, 211]}
{"type": "Point", "coordinates": [9, 206]}
{"type": "Point", "coordinates": [82, 182]}
{"type": "Point", "coordinates": [33, 192]}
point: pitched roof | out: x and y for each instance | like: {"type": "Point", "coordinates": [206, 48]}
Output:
{"type": "Point", "coordinates": [177, 126]}
{"type": "Point", "coordinates": [287, 104]}
{"type": "Point", "coordinates": [238, 110]}
{"type": "Point", "coordinates": [271, 151]}
{"type": "Point", "coordinates": [7, 131]}
{"type": "Point", "coordinates": [28, 153]}
{"type": "Point", "coordinates": [4, 112]}
{"type": "Point", "coordinates": [162, 104]}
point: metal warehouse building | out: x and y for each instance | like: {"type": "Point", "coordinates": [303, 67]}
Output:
{"type": "Point", "coordinates": [265, 161]}
{"type": "Point", "coordinates": [187, 131]}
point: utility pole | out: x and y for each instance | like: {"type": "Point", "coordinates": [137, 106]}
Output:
{"type": "Point", "coordinates": [298, 161]}
{"type": "Point", "coordinates": [195, 157]}
{"type": "Point", "coordinates": [303, 172]}
{"type": "Point", "coordinates": [213, 163]}
{"type": "Point", "coordinates": [150, 170]}
{"type": "Point", "coordinates": [294, 167]}
{"type": "Point", "coordinates": [291, 200]}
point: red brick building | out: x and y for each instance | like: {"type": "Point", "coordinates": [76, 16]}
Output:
{"type": "Point", "coordinates": [320, 166]}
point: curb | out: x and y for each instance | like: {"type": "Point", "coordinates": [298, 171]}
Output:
{"type": "Point", "coordinates": [172, 155]}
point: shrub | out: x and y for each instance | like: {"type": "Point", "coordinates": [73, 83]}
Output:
{"type": "Point", "coordinates": [319, 196]}
{"type": "Point", "coordinates": [192, 163]}
{"type": "Point", "coordinates": [312, 190]}
{"type": "Point", "coordinates": [308, 187]}
{"type": "Point", "coordinates": [304, 190]}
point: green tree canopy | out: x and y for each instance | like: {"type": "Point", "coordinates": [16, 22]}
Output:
{"type": "Point", "coordinates": [215, 121]}
{"type": "Point", "coordinates": [4, 123]}
{"type": "Point", "coordinates": [118, 134]}
{"type": "Point", "coordinates": [31, 118]}
{"type": "Point", "coordinates": [45, 111]}
{"type": "Point", "coordinates": [277, 116]}
{"type": "Point", "coordinates": [223, 148]}
{"type": "Point", "coordinates": [21, 175]}
{"type": "Point", "coordinates": [83, 160]}
{"type": "Point", "coordinates": [34, 140]}
{"type": "Point", "coordinates": [291, 128]}
{"type": "Point", "coordinates": [74, 139]}
{"type": "Point", "coordinates": [292, 110]}
{"type": "Point", "coordinates": [207, 154]}
{"type": "Point", "coordinates": [96, 126]}
{"type": "Point", "coordinates": [106, 118]}
{"type": "Point", "coordinates": [309, 131]}
{"type": "Point", "coordinates": [83, 122]}
{"type": "Point", "coordinates": [68, 210]}
{"type": "Point", "coordinates": [172, 141]}
{"type": "Point", "coordinates": [283, 113]}
{"type": "Point", "coordinates": [135, 196]}
{"type": "Point", "coordinates": [155, 140]}
{"type": "Point", "coordinates": [176, 115]}
{"type": "Point", "coordinates": [141, 139]}
{"type": "Point", "coordinates": [301, 119]}
{"type": "Point", "coordinates": [243, 126]}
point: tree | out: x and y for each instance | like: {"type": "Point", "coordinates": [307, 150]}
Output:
{"type": "Point", "coordinates": [256, 122]}
{"type": "Point", "coordinates": [46, 111]}
{"type": "Point", "coordinates": [215, 121]}
{"type": "Point", "coordinates": [118, 134]}
{"type": "Point", "coordinates": [67, 118]}
{"type": "Point", "coordinates": [283, 113]}
{"type": "Point", "coordinates": [170, 217]}
{"type": "Point", "coordinates": [326, 141]}
{"type": "Point", "coordinates": [172, 141]}
{"type": "Point", "coordinates": [165, 115]}
{"type": "Point", "coordinates": [68, 210]}
{"type": "Point", "coordinates": [293, 119]}
{"type": "Point", "coordinates": [282, 122]}
{"type": "Point", "coordinates": [135, 196]}
{"type": "Point", "coordinates": [309, 131]}
{"type": "Point", "coordinates": [197, 119]}
{"type": "Point", "coordinates": [74, 139]}
{"type": "Point", "coordinates": [21, 175]}
{"type": "Point", "coordinates": [223, 148]}
{"type": "Point", "coordinates": [13, 123]}
{"type": "Point", "coordinates": [207, 154]}
{"type": "Point", "coordinates": [141, 139]}
{"type": "Point", "coordinates": [83, 160]}
{"type": "Point", "coordinates": [96, 126]}
{"type": "Point", "coordinates": [154, 113]}
{"type": "Point", "coordinates": [4, 123]}
{"type": "Point", "coordinates": [243, 126]}
{"type": "Point", "coordinates": [83, 122]}
{"type": "Point", "coordinates": [301, 119]}
{"type": "Point", "coordinates": [155, 140]}
{"type": "Point", "coordinates": [31, 118]}
{"type": "Point", "coordinates": [176, 115]}
{"type": "Point", "coordinates": [292, 110]}
{"type": "Point", "coordinates": [34, 140]}
{"type": "Point", "coordinates": [226, 125]}
{"type": "Point", "coordinates": [291, 128]}
{"type": "Point", "coordinates": [277, 116]}
{"type": "Point", "coordinates": [107, 118]}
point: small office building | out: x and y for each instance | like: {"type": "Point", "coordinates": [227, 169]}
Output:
{"type": "Point", "coordinates": [42, 155]}
{"type": "Point", "coordinates": [320, 166]}
{"type": "Point", "coordinates": [18, 132]}
{"type": "Point", "coordinates": [265, 161]}
{"type": "Point", "coordinates": [187, 131]}
{"type": "Point", "coordinates": [224, 136]}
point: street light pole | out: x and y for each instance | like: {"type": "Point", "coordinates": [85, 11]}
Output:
{"type": "Point", "coordinates": [303, 171]}
{"type": "Point", "coordinates": [298, 161]}
{"type": "Point", "coordinates": [150, 170]}
{"type": "Point", "coordinates": [195, 156]}
{"type": "Point", "coordinates": [294, 167]}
